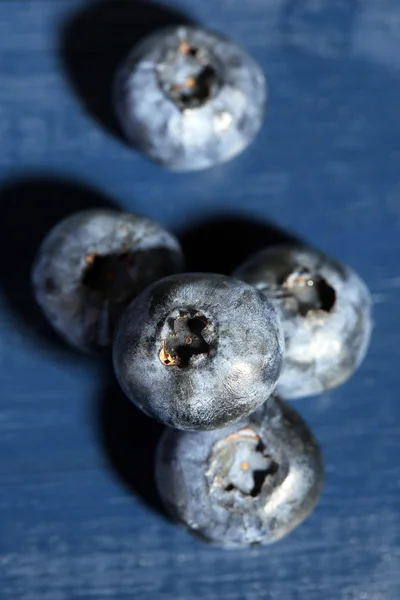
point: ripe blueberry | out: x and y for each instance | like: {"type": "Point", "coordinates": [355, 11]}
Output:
{"type": "Point", "coordinates": [249, 483]}
{"type": "Point", "coordinates": [91, 265]}
{"type": "Point", "coordinates": [189, 99]}
{"type": "Point", "coordinates": [325, 311]}
{"type": "Point", "coordinates": [198, 351]}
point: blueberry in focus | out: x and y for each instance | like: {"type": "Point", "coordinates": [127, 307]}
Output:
{"type": "Point", "coordinates": [91, 265]}
{"type": "Point", "coordinates": [189, 99]}
{"type": "Point", "coordinates": [198, 351]}
{"type": "Point", "coordinates": [249, 483]}
{"type": "Point", "coordinates": [325, 311]}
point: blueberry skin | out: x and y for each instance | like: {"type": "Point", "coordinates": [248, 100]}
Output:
{"type": "Point", "coordinates": [198, 351]}
{"type": "Point", "coordinates": [325, 311]}
{"type": "Point", "coordinates": [189, 99]}
{"type": "Point", "coordinates": [91, 265]}
{"type": "Point", "coordinates": [249, 483]}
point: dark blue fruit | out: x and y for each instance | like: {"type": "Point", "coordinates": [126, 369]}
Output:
{"type": "Point", "coordinates": [325, 311]}
{"type": "Point", "coordinates": [249, 483]}
{"type": "Point", "coordinates": [91, 265]}
{"type": "Point", "coordinates": [189, 99]}
{"type": "Point", "coordinates": [198, 351]}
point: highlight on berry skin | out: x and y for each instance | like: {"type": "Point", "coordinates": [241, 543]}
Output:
{"type": "Point", "coordinates": [189, 99]}
{"type": "Point", "coordinates": [92, 264]}
{"type": "Point", "coordinates": [325, 311]}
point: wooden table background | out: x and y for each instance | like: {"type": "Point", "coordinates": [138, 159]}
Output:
{"type": "Point", "coordinates": [79, 517]}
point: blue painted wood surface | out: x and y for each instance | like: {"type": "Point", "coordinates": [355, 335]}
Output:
{"type": "Point", "coordinates": [79, 517]}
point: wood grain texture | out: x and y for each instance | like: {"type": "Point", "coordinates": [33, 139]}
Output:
{"type": "Point", "coordinates": [79, 517]}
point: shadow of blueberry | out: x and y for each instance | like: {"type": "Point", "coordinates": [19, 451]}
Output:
{"type": "Point", "coordinates": [30, 208]}
{"type": "Point", "coordinates": [220, 244]}
{"type": "Point", "coordinates": [129, 439]}
{"type": "Point", "coordinates": [96, 40]}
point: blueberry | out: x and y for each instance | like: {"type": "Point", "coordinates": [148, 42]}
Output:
{"type": "Point", "coordinates": [325, 311]}
{"type": "Point", "coordinates": [189, 99]}
{"type": "Point", "coordinates": [91, 265]}
{"type": "Point", "coordinates": [249, 483]}
{"type": "Point", "coordinates": [198, 351]}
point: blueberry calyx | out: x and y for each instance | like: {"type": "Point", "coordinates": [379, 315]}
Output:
{"type": "Point", "coordinates": [189, 76]}
{"type": "Point", "coordinates": [109, 277]}
{"type": "Point", "coordinates": [185, 339]}
{"type": "Point", "coordinates": [311, 292]}
{"type": "Point", "coordinates": [240, 463]}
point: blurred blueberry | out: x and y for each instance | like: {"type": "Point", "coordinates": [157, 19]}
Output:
{"type": "Point", "coordinates": [91, 265]}
{"type": "Point", "coordinates": [249, 483]}
{"type": "Point", "coordinates": [189, 99]}
{"type": "Point", "coordinates": [325, 311]}
{"type": "Point", "coordinates": [198, 351]}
